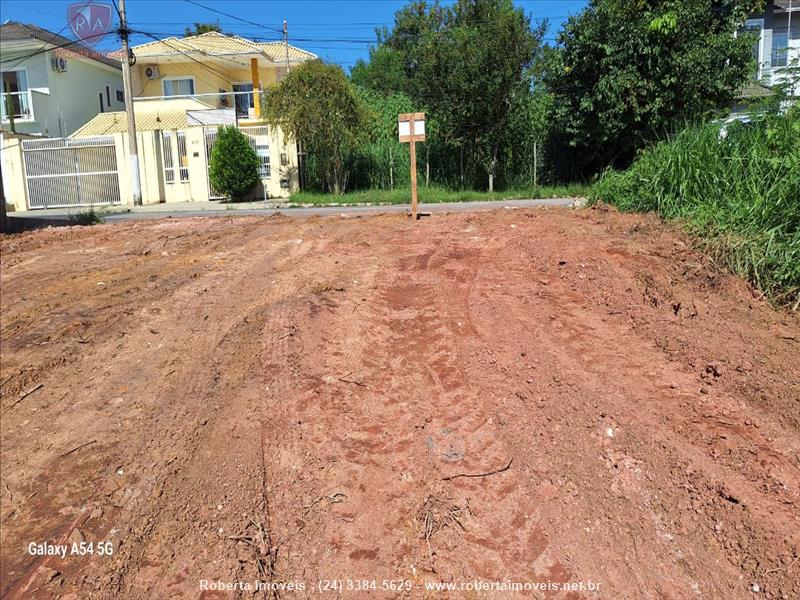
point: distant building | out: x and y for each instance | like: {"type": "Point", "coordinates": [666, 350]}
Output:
{"type": "Point", "coordinates": [778, 45]}
{"type": "Point", "coordinates": [51, 85]}
{"type": "Point", "coordinates": [223, 71]}
{"type": "Point", "coordinates": [184, 89]}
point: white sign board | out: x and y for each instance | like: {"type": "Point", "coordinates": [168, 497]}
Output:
{"type": "Point", "coordinates": [411, 127]}
{"type": "Point", "coordinates": [405, 128]}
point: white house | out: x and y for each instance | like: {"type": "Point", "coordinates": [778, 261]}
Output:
{"type": "Point", "coordinates": [49, 90]}
{"type": "Point", "coordinates": [778, 44]}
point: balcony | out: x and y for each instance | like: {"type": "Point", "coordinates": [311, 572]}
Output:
{"type": "Point", "coordinates": [20, 104]}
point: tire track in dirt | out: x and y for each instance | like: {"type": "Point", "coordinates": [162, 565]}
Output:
{"type": "Point", "coordinates": [583, 358]}
{"type": "Point", "coordinates": [229, 496]}
{"type": "Point", "coordinates": [398, 425]}
{"type": "Point", "coordinates": [172, 411]}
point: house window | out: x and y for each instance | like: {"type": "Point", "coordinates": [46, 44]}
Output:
{"type": "Point", "coordinates": [169, 168]}
{"type": "Point", "coordinates": [179, 86]}
{"type": "Point", "coordinates": [108, 96]}
{"type": "Point", "coordinates": [262, 150]}
{"type": "Point", "coordinates": [780, 48]}
{"type": "Point", "coordinates": [243, 99]}
{"type": "Point", "coordinates": [120, 96]}
{"type": "Point", "coordinates": [754, 27]}
{"type": "Point", "coordinates": [183, 159]}
{"type": "Point", "coordinates": [15, 93]}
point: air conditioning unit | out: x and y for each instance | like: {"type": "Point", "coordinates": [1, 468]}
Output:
{"type": "Point", "coordinates": [151, 72]}
{"type": "Point", "coordinates": [59, 65]}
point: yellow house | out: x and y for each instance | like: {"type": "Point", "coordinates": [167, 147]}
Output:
{"type": "Point", "coordinates": [223, 71]}
{"type": "Point", "coordinates": [184, 89]}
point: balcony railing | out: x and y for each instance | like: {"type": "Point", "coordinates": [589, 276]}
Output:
{"type": "Point", "coordinates": [20, 103]}
{"type": "Point", "coordinates": [239, 101]}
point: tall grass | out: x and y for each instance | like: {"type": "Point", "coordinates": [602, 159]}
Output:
{"type": "Point", "coordinates": [738, 189]}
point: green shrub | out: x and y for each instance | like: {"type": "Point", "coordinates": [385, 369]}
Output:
{"type": "Point", "coordinates": [736, 187]}
{"type": "Point", "coordinates": [233, 170]}
{"type": "Point", "coordinates": [89, 217]}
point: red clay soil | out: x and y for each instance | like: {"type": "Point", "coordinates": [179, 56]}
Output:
{"type": "Point", "coordinates": [532, 397]}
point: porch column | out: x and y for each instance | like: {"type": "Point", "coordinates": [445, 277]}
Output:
{"type": "Point", "coordinates": [256, 87]}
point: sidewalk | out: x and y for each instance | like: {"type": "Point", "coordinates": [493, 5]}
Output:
{"type": "Point", "coordinates": [212, 208]}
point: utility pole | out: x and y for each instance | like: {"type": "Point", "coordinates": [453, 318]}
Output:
{"type": "Point", "coordinates": [286, 43]}
{"type": "Point", "coordinates": [3, 216]}
{"type": "Point", "coordinates": [300, 154]}
{"type": "Point", "coordinates": [136, 184]}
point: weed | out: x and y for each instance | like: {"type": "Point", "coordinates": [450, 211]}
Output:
{"type": "Point", "coordinates": [89, 217]}
{"type": "Point", "coordinates": [737, 189]}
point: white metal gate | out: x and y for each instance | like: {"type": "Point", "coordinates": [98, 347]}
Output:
{"type": "Point", "coordinates": [211, 139]}
{"type": "Point", "coordinates": [66, 172]}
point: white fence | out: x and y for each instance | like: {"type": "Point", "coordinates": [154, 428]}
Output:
{"type": "Point", "coordinates": [67, 172]}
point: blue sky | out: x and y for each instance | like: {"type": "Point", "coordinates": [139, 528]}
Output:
{"type": "Point", "coordinates": [337, 31]}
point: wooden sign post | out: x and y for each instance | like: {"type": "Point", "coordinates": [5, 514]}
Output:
{"type": "Point", "coordinates": [411, 127]}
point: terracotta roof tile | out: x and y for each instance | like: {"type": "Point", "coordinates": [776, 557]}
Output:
{"type": "Point", "coordinates": [150, 115]}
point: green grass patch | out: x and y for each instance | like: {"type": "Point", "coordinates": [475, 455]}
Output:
{"type": "Point", "coordinates": [739, 192]}
{"type": "Point", "coordinates": [436, 195]}
{"type": "Point", "coordinates": [88, 217]}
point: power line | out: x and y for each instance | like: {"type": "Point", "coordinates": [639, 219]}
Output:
{"type": "Point", "coordinates": [219, 12]}
{"type": "Point", "coordinates": [322, 40]}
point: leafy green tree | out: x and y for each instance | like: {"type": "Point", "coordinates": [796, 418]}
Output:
{"type": "Point", "coordinates": [626, 73]}
{"type": "Point", "coordinates": [466, 63]}
{"type": "Point", "coordinates": [234, 165]}
{"type": "Point", "coordinates": [318, 105]}
{"type": "Point", "coordinates": [200, 28]}
{"type": "Point", "coordinates": [526, 133]}
{"type": "Point", "coordinates": [382, 73]}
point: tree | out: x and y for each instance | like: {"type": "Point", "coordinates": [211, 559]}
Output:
{"type": "Point", "coordinates": [466, 63]}
{"type": "Point", "coordinates": [526, 132]}
{"type": "Point", "coordinates": [234, 164]}
{"type": "Point", "coordinates": [382, 73]}
{"type": "Point", "coordinates": [315, 103]}
{"type": "Point", "coordinates": [200, 28]}
{"type": "Point", "coordinates": [381, 160]}
{"type": "Point", "coordinates": [627, 73]}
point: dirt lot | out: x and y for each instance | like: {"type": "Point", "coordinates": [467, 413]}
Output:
{"type": "Point", "coordinates": [517, 396]}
